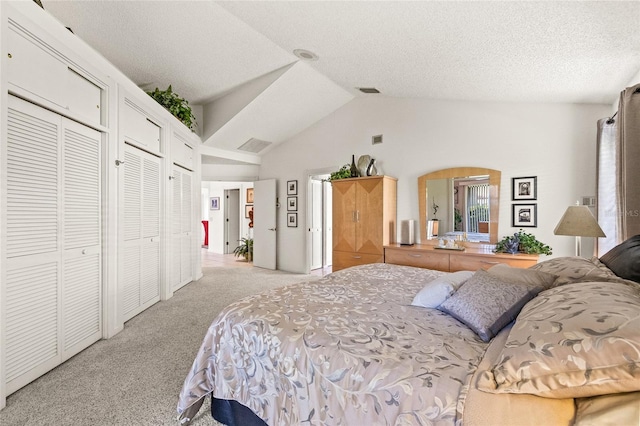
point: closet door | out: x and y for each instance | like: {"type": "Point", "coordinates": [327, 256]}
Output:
{"type": "Point", "coordinates": [182, 234]}
{"type": "Point", "coordinates": [81, 271]}
{"type": "Point", "coordinates": [141, 234]}
{"type": "Point", "coordinates": [53, 249]}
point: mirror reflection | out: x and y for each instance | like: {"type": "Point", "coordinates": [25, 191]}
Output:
{"type": "Point", "coordinates": [460, 204]}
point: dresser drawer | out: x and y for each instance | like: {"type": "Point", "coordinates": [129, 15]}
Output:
{"type": "Point", "coordinates": [420, 259]}
{"type": "Point", "coordinates": [466, 262]}
{"type": "Point", "coordinates": [344, 259]}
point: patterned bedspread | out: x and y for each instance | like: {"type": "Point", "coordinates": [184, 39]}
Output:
{"type": "Point", "coordinates": [347, 349]}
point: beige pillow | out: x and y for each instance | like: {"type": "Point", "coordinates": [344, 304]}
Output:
{"type": "Point", "coordinates": [572, 341]}
{"type": "Point", "coordinates": [573, 269]}
{"type": "Point", "coordinates": [524, 276]}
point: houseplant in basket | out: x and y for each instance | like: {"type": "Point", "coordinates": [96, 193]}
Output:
{"type": "Point", "coordinates": [522, 242]}
{"type": "Point", "coordinates": [245, 249]}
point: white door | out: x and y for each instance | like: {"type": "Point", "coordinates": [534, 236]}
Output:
{"type": "Point", "coordinates": [264, 224]}
{"type": "Point", "coordinates": [181, 237]}
{"type": "Point", "coordinates": [315, 223]}
{"type": "Point", "coordinates": [327, 220]}
{"type": "Point", "coordinates": [231, 220]}
{"type": "Point", "coordinates": [140, 258]}
{"type": "Point", "coordinates": [52, 240]}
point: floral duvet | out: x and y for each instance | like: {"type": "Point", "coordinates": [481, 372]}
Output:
{"type": "Point", "coordinates": [346, 349]}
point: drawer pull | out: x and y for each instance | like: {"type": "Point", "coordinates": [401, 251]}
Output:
{"type": "Point", "coordinates": [415, 255]}
{"type": "Point", "coordinates": [357, 257]}
{"type": "Point", "coordinates": [490, 263]}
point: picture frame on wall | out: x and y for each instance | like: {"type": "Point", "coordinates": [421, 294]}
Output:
{"type": "Point", "coordinates": [250, 195]}
{"type": "Point", "coordinates": [524, 188]}
{"type": "Point", "coordinates": [524, 215]}
{"type": "Point", "coordinates": [292, 187]}
{"type": "Point", "coordinates": [292, 204]}
{"type": "Point", "coordinates": [248, 208]}
{"type": "Point", "coordinates": [292, 220]}
{"type": "Point", "coordinates": [214, 203]}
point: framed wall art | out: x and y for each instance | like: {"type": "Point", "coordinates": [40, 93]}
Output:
{"type": "Point", "coordinates": [214, 203]}
{"type": "Point", "coordinates": [292, 204]}
{"type": "Point", "coordinates": [524, 215]}
{"type": "Point", "coordinates": [524, 188]}
{"type": "Point", "coordinates": [250, 195]}
{"type": "Point", "coordinates": [248, 209]}
{"type": "Point", "coordinates": [292, 220]}
{"type": "Point", "coordinates": [292, 187]}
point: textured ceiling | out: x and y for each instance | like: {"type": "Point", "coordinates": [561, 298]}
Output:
{"type": "Point", "coordinates": [544, 51]}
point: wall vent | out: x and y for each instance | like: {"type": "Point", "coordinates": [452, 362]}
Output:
{"type": "Point", "coordinates": [368, 90]}
{"type": "Point", "coordinates": [254, 145]}
{"type": "Point", "coordinates": [375, 140]}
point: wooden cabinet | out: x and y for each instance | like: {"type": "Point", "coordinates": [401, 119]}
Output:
{"type": "Point", "coordinates": [471, 259]}
{"type": "Point", "coordinates": [364, 220]}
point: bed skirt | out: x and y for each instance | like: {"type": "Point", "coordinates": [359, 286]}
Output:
{"type": "Point", "coordinates": [232, 413]}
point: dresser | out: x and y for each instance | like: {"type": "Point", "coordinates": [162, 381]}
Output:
{"type": "Point", "coordinates": [364, 220]}
{"type": "Point", "coordinates": [471, 259]}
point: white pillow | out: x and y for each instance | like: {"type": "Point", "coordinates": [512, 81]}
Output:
{"type": "Point", "coordinates": [439, 290]}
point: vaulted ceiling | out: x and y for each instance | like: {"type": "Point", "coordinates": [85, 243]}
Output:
{"type": "Point", "coordinates": [236, 58]}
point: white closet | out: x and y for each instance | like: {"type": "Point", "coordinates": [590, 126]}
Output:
{"type": "Point", "coordinates": [141, 230]}
{"type": "Point", "coordinates": [53, 285]}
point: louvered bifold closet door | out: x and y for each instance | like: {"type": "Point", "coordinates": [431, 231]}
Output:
{"type": "Point", "coordinates": [176, 230]}
{"type": "Point", "coordinates": [32, 243]}
{"type": "Point", "coordinates": [182, 232]}
{"type": "Point", "coordinates": [81, 289]}
{"type": "Point", "coordinates": [53, 278]}
{"type": "Point", "coordinates": [141, 224]}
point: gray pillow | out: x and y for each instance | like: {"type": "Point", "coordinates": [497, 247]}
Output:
{"type": "Point", "coordinates": [624, 259]}
{"type": "Point", "coordinates": [486, 304]}
{"type": "Point", "coordinates": [526, 276]}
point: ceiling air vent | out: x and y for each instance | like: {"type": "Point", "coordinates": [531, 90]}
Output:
{"type": "Point", "coordinates": [368, 90]}
{"type": "Point", "coordinates": [376, 139]}
{"type": "Point", "coordinates": [254, 145]}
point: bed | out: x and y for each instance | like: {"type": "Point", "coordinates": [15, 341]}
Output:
{"type": "Point", "coordinates": [381, 344]}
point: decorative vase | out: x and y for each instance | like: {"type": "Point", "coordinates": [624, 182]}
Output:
{"type": "Point", "coordinates": [371, 168]}
{"type": "Point", "coordinates": [354, 169]}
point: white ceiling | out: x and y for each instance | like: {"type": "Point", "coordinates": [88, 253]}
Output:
{"type": "Point", "coordinates": [545, 51]}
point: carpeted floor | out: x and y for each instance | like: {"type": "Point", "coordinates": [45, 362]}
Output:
{"type": "Point", "coordinates": [134, 378]}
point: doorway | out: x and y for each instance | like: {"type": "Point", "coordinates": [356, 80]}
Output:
{"type": "Point", "coordinates": [320, 224]}
{"type": "Point", "coordinates": [231, 219]}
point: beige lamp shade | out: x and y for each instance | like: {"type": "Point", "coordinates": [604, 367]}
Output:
{"type": "Point", "coordinates": [578, 221]}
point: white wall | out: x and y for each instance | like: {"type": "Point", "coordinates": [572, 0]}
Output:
{"type": "Point", "coordinates": [216, 217]}
{"type": "Point", "coordinates": [555, 142]}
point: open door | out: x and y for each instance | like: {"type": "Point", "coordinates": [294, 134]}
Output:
{"type": "Point", "coordinates": [264, 224]}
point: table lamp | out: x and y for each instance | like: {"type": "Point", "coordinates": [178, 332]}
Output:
{"type": "Point", "coordinates": [578, 222]}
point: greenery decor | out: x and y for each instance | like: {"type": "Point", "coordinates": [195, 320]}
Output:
{"type": "Point", "coordinates": [522, 242]}
{"type": "Point", "coordinates": [245, 249]}
{"type": "Point", "coordinates": [343, 173]}
{"type": "Point", "coordinates": [176, 105]}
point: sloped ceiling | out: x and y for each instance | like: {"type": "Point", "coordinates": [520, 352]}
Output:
{"type": "Point", "coordinates": [215, 53]}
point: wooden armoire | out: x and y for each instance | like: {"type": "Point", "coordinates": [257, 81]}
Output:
{"type": "Point", "coordinates": [364, 219]}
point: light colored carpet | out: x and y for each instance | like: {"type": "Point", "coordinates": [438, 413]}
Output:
{"type": "Point", "coordinates": [135, 377]}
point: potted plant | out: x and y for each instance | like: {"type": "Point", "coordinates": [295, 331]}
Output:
{"type": "Point", "coordinates": [176, 105]}
{"type": "Point", "coordinates": [522, 242]}
{"type": "Point", "coordinates": [343, 173]}
{"type": "Point", "coordinates": [245, 249]}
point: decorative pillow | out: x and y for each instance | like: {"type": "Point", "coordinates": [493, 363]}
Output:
{"type": "Point", "coordinates": [525, 276]}
{"type": "Point", "coordinates": [574, 270]}
{"type": "Point", "coordinates": [624, 259]}
{"type": "Point", "coordinates": [486, 303]}
{"type": "Point", "coordinates": [439, 290]}
{"type": "Point", "coordinates": [577, 340]}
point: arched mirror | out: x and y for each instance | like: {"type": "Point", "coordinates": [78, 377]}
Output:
{"type": "Point", "coordinates": [460, 202]}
